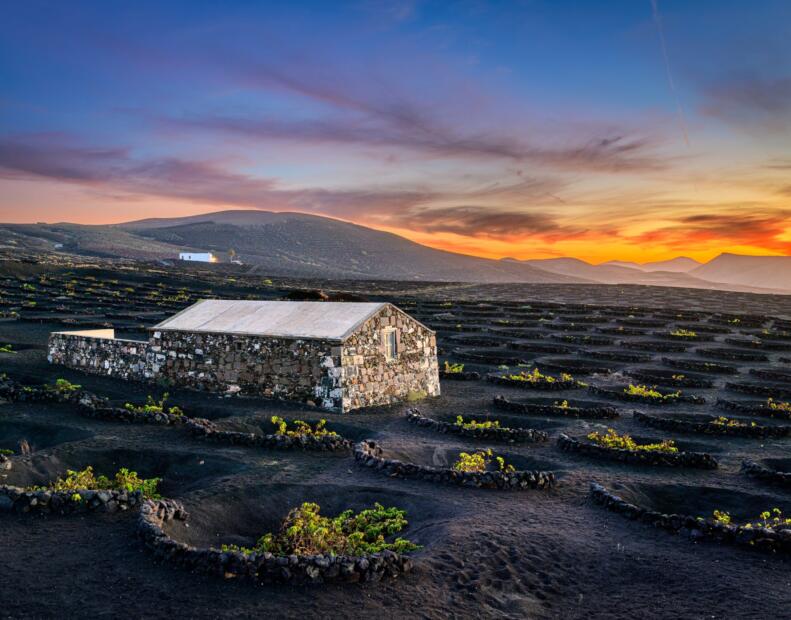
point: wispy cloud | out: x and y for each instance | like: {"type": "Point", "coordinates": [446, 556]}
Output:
{"type": "Point", "coordinates": [58, 158]}
{"type": "Point", "coordinates": [761, 228]}
{"type": "Point", "coordinates": [751, 98]}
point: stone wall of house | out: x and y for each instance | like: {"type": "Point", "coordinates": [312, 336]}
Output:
{"type": "Point", "coordinates": [98, 352]}
{"type": "Point", "coordinates": [369, 379]}
{"type": "Point", "coordinates": [328, 374]}
{"type": "Point", "coordinates": [302, 370]}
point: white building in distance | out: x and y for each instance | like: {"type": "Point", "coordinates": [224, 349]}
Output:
{"type": "Point", "coordinates": [199, 257]}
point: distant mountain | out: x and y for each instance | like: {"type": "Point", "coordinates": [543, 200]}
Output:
{"type": "Point", "coordinates": [286, 244]}
{"type": "Point", "coordinates": [301, 245]}
{"type": "Point", "coordinates": [298, 244]}
{"type": "Point", "coordinates": [764, 271]}
{"type": "Point", "coordinates": [623, 272]}
{"type": "Point", "coordinates": [680, 264]}
{"type": "Point", "coordinates": [578, 268]}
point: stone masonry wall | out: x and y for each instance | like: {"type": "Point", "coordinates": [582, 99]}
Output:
{"type": "Point", "coordinates": [329, 374]}
{"type": "Point", "coordinates": [369, 379]}
{"type": "Point", "coordinates": [302, 370]}
{"type": "Point", "coordinates": [97, 352]}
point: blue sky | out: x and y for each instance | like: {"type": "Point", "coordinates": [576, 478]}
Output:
{"type": "Point", "coordinates": [536, 128]}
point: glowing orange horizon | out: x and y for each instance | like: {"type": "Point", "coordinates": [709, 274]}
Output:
{"type": "Point", "coordinates": [593, 250]}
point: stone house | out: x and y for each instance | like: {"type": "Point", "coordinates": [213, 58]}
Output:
{"type": "Point", "coordinates": [338, 356]}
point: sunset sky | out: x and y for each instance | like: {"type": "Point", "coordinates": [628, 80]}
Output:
{"type": "Point", "coordinates": [603, 130]}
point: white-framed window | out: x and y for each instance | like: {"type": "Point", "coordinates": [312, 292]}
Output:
{"type": "Point", "coordinates": [390, 343]}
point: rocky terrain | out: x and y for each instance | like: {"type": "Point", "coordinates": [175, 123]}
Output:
{"type": "Point", "coordinates": [557, 551]}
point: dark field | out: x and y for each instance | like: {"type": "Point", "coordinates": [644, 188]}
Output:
{"type": "Point", "coordinates": [486, 553]}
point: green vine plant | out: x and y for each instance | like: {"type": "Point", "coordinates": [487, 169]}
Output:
{"type": "Point", "coordinates": [643, 391]}
{"type": "Point", "coordinates": [480, 461]}
{"type": "Point", "coordinates": [769, 519]}
{"type": "Point", "coordinates": [305, 531]}
{"type": "Point", "coordinates": [776, 405]}
{"type": "Point", "coordinates": [475, 425]}
{"type": "Point", "coordinates": [453, 368]}
{"type": "Point", "coordinates": [124, 480]}
{"type": "Point", "coordinates": [301, 428]}
{"type": "Point", "coordinates": [63, 386]}
{"type": "Point", "coordinates": [612, 439]}
{"type": "Point", "coordinates": [730, 422]}
{"type": "Point", "coordinates": [153, 407]}
{"type": "Point", "coordinates": [535, 376]}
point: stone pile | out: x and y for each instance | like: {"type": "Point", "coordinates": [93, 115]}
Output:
{"type": "Point", "coordinates": [368, 454]}
{"type": "Point", "coordinates": [259, 567]}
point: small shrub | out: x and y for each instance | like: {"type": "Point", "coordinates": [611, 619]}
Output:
{"type": "Point", "coordinates": [414, 395]}
{"type": "Point", "coordinates": [644, 391]}
{"type": "Point", "coordinates": [63, 386]}
{"type": "Point", "coordinates": [7, 348]}
{"type": "Point", "coordinates": [473, 425]}
{"type": "Point", "coordinates": [730, 422]}
{"type": "Point", "coordinates": [453, 368]}
{"type": "Point", "coordinates": [124, 480]}
{"type": "Point", "coordinates": [563, 404]}
{"type": "Point", "coordinates": [479, 461]}
{"type": "Point", "coordinates": [535, 376]}
{"type": "Point", "coordinates": [301, 428]}
{"type": "Point", "coordinates": [769, 519]}
{"type": "Point", "coordinates": [775, 405]}
{"type": "Point", "coordinates": [684, 333]}
{"type": "Point", "coordinates": [611, 439]}
{"type": "Point", "coordinates": [6, 452]}
{"type": "Point", "coordinates": [153, 407]}
{"type": "Point", "coordinates": [306, 532]}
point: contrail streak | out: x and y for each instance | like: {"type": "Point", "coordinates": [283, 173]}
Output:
{"type": "Point", "coordinates": [679, 109]}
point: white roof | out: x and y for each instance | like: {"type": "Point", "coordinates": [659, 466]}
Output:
{"type": "Point", "coordinates": [286, 319]}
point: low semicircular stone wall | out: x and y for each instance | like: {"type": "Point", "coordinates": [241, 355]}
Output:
{"type": "Point", "coordinates": [92, 406]}
{"type": "Point", "coordinates": [259, 567]}
{"type": "Point", "coordinates": [20, 500]}
{"type": "Point", "coordinates": [756, 470]}
{"type": "Point", "coordinates": [368, 454]}
{"type": "Point", "coordinates": [205, 429]}
{"type": "Point", "coordinates": [602, 412]}
{"type": "Point", "coordinates": [694, 527]}
{"type": "Point", "coordinates": [699, 460]}
{"type": "Point", "coordinates": [510, 435]}
{"type": "Point", "coordinates": [706, 428]}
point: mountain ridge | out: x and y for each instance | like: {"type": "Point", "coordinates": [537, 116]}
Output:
{"type": "Point", "coordinates": [305, 245]}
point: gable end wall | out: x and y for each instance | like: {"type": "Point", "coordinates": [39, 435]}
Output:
{"type": "Point", "coordinates": [369, 379]}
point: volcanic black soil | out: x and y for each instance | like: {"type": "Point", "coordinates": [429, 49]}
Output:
{"type": "Point", "coordinates": [485, 553]}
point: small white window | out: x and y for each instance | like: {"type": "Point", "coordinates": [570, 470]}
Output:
{"type": "Point", "coordinates": [391, 344]}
